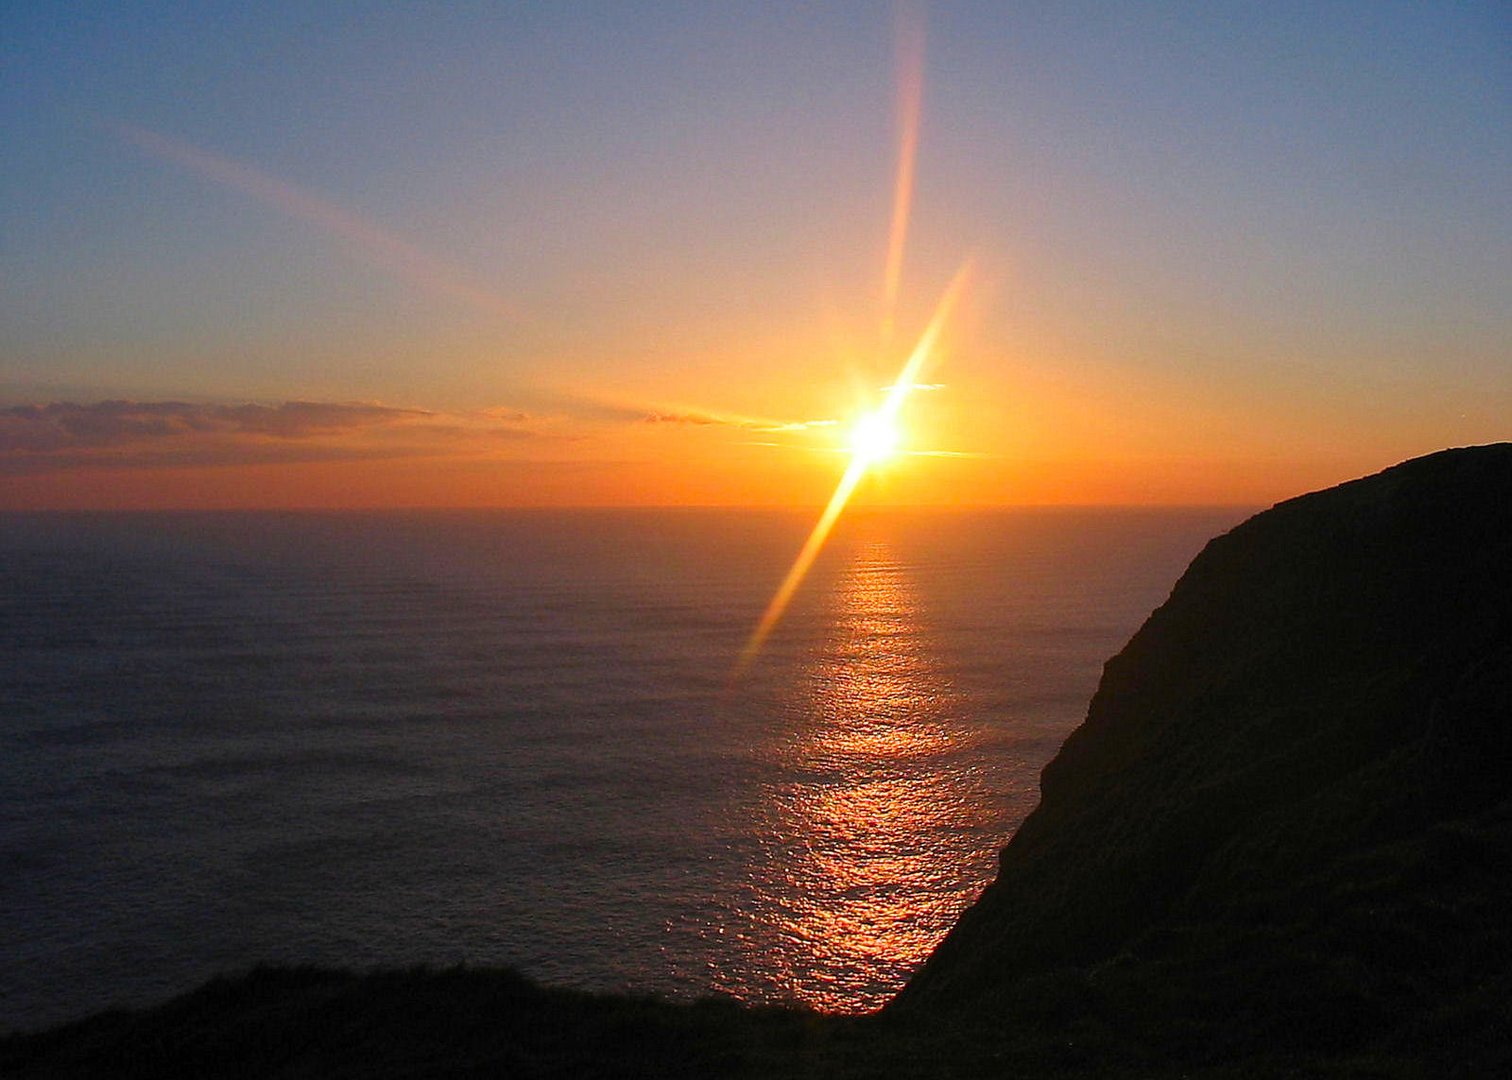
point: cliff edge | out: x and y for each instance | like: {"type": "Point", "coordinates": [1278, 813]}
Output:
{"type": "Point", "coordinates": [1285, 822]}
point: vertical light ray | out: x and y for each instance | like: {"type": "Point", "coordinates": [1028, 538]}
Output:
{"type": "Point", "coordinates": [910, 46]}
{"type": "Point", "coordinates": [896, 395]}
{"type": "Point", "coordinates": [398, 256]}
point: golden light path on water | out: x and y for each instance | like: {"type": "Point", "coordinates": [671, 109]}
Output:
{"type": "Point", "coordinates": [872, 848]}
{"type": "Point", "coordinates": [878, 833]}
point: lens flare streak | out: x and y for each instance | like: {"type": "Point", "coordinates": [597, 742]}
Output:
{"type": "Point", "coordinates": [910, 100]}
{"type": "Point", "coordinates": [395, 254]}
{"type": "Point", "coordinates": [886, 414]}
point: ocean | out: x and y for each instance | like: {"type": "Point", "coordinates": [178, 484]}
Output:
{"type": "Point", "coordinates": [514, 738]}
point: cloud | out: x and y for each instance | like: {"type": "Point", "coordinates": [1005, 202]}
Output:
{"type": "Point", "coordinates": [585, 407]}
{"type": "Point", "coordinates": [699, 418]}
{"type": "Point", "coordinates": [65, 425]}
{"type": "Point", "coordinates": [505, 414]}
{"type": "Point", "coordinates": [749, 423]}
{"type": "Point", "coordinates": [160, 434]}
{"type": "Point", "coordinates": [800, 425]}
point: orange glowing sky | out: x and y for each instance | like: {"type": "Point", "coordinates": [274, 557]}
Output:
{"type": "Point", "coordinates": [668, 256]}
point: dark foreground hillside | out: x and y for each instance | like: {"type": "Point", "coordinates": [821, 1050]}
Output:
{"type": "Point", "coordinates": [1285, 826]}
{"type": "Point", "coordinates": [1281, 844]}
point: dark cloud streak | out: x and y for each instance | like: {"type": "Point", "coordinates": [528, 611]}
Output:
{"type": "Point", "coordinates": [747, 423]}
{"type": "Point", "coordinates": [166, 434]}
{"type": "Point", "coordinates": [66, 425]}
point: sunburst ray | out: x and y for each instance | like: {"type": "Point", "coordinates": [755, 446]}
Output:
{"type": "Point", "coordinates": [886, 413]}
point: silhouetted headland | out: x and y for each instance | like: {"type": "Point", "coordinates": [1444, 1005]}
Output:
{"type": "Point", "coordinates": [1281, 843]}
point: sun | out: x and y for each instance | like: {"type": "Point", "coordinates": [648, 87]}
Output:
{"type": "Point", "coordinates": [875, 438]}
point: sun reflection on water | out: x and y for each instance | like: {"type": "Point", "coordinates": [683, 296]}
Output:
{"type": "Point", "coordinates": [875, 835]}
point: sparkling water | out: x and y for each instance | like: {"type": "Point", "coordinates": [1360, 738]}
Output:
{"type": "Point", "coordinates": [515, 738]}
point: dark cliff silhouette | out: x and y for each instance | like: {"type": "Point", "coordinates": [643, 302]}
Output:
{"type": "Point", "coordinates": [1281, 843]}
{"type": "Point", "coordinates": [1285, 824]}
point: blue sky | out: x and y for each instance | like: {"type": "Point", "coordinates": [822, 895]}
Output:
{"type": "Point", "coordinates": [1294, 219]}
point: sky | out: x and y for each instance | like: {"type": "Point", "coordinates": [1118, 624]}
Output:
{"type": "Point", "coordinates": [521, 254]}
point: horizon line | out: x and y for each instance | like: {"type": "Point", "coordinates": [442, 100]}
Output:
{"type": "Point", "coordinates": [581, 507]}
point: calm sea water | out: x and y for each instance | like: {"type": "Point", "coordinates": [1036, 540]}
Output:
{"type": "Point", "coordinates": [511, 738]}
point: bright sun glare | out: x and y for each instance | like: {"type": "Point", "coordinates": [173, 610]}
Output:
{"type": "Point", "coordinates": [875, 438]}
